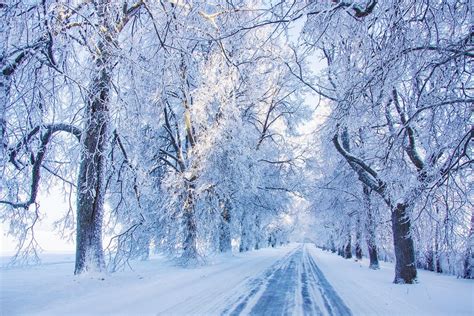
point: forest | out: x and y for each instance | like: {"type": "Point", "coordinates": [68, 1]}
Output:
{"type": "Point", "coordinates": [192, 128]}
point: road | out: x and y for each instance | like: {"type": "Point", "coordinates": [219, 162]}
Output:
{"type": "Point", "coordinates": [270, 281]}
{"type": "Point", "coordinates": [294, 285]}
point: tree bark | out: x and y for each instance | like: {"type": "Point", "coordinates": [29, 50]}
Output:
{"type": "Point", "coordinates": [405, 266]}
{"type": "Point", "coordinates": [244, 234]}
{"type": "Point", "coordinates": [190, 229]}
{"type": "Point", "coordinates": [91, 186]}
{"type": "Point", "coordinates": [257, 235]}
{"type": "Point", "coordinates": [371, 230]}
{"type": "Point", "coordinates": [358, 241]}
{"type": "Point", "coordinates": [225, 241]}
{"type": "Point", "coordinates": [348, 246]}
{"type": "Point", "coordinates": [91, 181]}
{"type": "Point", "coordinates": [332, 245]}
{"type": "Point", "coordinates": [4, 91]}
{"type": "Point", "coordinates": [244, 245]}
{"type": "Point", "coordinates": [469, 261]}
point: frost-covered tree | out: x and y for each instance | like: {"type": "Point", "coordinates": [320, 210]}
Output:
{"type": "Point", "coordinates": [53, 41]}
{"type": "Point", "coordinates": [400, 68]}
{"type": "Point", "coordinates": [215, 162]}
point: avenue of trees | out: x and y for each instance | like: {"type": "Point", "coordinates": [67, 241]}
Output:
{"type": "Point", "coordinates": [175, 126]}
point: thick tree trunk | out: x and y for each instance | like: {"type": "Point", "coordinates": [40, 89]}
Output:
{"type": "Point", "coordinates": [91, 182]}
{"type": "Point", "coordinates": [225, 241]}
{"type": "Point", "coordinates": [91, 186]}
{"type": "Point", "coordinates": [405, 268]}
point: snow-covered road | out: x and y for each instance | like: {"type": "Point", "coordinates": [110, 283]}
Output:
{"type": "Point", "coordinates": [293, 285]}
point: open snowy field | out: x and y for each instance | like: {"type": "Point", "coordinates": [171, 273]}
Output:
{"type": "Point", "coordinates": [295, 279]}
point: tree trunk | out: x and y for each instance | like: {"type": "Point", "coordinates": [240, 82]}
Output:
{"type": "Point", "coordinates": [371, 231]}
{"type": "Point", "coordinates": [405, 268]}
{"type": "Point", "coordinates": [257, 232]}
{"type": "Point", "coordinates": [4, 81]}
{"type": "Point", "coordinates": [91, 186]}
{"type": "Point", "coordinates": [348, 246]}
{"type": "Point", "coordinates": [91, 182]}
{"type": "Point", "coordinates": [244, 243]}
{"type": "Point", "coordinates": [4, 98]}
{"type": "Point", "coordinates": [190, 252]}
{"type": "Point", "coordinates": [225, 241]}
{"type": "Point", "coordinates": [358, 241]}
{"type": "Point", "coordinates": [244, 234]}
{"type": "Point", "coordinates": [469, 261]}
{"type": "Point", "coordinates": [332, 245]}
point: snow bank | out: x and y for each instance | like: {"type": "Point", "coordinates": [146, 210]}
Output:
{"type": "Point", "coordinates": [371, 292]}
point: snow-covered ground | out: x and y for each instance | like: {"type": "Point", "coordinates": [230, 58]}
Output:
{"type": "Point", "coordinates": [369, 292]}
{"type": "Point", "coordinates": [295, 279]}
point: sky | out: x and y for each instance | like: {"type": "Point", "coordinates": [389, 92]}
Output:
{"type": "Point", "coordinates": [52, 207]}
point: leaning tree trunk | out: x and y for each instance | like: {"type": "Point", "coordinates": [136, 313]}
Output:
{"type": "Point", "coordinates": [91, 182]}
{"type": "Point", "coordinates": [405, 267]}
{"type": "Point", "coordinates": [225, 242]}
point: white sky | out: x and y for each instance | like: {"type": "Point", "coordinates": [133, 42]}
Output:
{"type": "Point", "coordinates": [52, 207]}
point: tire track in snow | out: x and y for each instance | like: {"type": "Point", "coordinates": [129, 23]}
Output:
{"type": "Point", "coordinates": [255, 285]}
{"type": "Point", "coordinates": [280, 292]}
{"type": "Point", "coordinates": [293, 285]}
{"type": "Point", "coordinates": [333, 303]}
{"type": "Point", "coordinates": [308, 290]}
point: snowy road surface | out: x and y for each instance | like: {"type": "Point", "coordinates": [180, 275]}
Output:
{"type": "Point", "coordinates": [297, 279]}
{"type": "Point", "coordinates": [293, 285]}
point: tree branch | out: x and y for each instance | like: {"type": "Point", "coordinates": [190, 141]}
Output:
{"type": "Point", "coordinates": [411, 150]}
{"type": "Point", "coordinates": [38, 159]}
{"type": "Point", "coordinates": [366, 174]}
